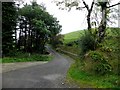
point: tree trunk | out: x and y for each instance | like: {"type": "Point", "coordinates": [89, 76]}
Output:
{"type": "Point", "coordinates": [25, 42]}
{"type": "Point", "coordinates": [19, 42]}
{"type": "Point", "coordinates": [89, 21]}
{"type": "Point", "coordinates": [89, 13]}
{"type": "Point", "coordinates": [102, 26]}
{"type": "Point", "coordinates": [31, 42]}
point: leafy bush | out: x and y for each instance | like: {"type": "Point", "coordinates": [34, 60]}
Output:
{"type": "Point", "coordinates": [12, 53]}
{"type": "Point", "coordinates": [107, 49]}
{"type": "Point", "coordinates": [87, 42]}
{"type": "Point", "coordinates": [96, 56]}
{"type": "Point", "coordinates": [102, 66]}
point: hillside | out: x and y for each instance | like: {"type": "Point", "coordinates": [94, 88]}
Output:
{"type": "Point", "coordinates": [89, 71]}
{"type": "Point", "coordinates": [72, 36]}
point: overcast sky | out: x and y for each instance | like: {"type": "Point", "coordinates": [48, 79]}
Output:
{"type": "Point", "coordinates": [70, 21]}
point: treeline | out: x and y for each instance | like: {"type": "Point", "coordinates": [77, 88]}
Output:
{"type": "Point", "coordinates": [27, 29]}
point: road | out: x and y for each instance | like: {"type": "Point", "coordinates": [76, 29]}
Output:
{"type": "Point", "coordinates": [48, 75]}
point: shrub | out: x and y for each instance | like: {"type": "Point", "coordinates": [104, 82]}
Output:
{"type": "Point", "coordinates": [13, 53]}
{"type": "Point", "coordinates": [107, 49]}
{"type": "Point", "coordinates": [96, 56]}
{"type": "Point", "coordinates": [102, 66]}
{"type": "Point", "coordinates": [87, 42]}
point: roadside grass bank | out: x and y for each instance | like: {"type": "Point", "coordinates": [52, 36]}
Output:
{"type": "Point", "coordinates": [105, 59]}
{"type": "Point", "coordinates": [87, 80]}
{"type": "Point", "coordinates": [82, 76]}
{"type": "Point", "coordinates": [26, 57]}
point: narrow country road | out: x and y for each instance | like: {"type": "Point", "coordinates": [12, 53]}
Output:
{"type": "Point", "coordinates": [48, 75]}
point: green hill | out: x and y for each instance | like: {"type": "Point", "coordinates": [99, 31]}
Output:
{"type": "Point", "coordinates": [72, 36]}
{"type": "Point", "coordinates": [69, 37]}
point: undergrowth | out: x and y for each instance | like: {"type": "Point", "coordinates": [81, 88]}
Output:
{"type": "Point", "coordinates": [26, 57]}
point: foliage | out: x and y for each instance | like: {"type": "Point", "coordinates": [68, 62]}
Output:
{"type": "Point", "coordinates": [57, 41]}
{"type": "Point", "coordinates": [32, 22]}
{"type": "Point", "coordinates": [115, 31]}
{"type": "Point", "coordinates": [86, 80]}
{"type": "Point", "coordinates": [34, 25]}
{"type": "Point", "coordinates": [96, 56]}
{"type": "Point", "coordinates": [103, 66]}
{"type": "Point", "coordinates": [107, 49]}
{"type": "Point", "coordinates": [9, 14]}
{"type": "Point", "coordinates": [87, 42]}
{"type": "Point", "coordinates": [26, 57]}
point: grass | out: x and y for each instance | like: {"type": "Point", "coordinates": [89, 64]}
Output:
{"type": "Point", "coordinates": [25, 57]}
{"type": "Point", "coordinates": [71, 49]}
{"type": "Point", "coordinates": [72, 36]}
{"type": "Point", "coordinates": [85, 78]}
{"type": "Point", "coordinates": [69, 37]}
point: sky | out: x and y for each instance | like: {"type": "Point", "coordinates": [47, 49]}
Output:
{"type": "Point", "coordinates": [70, 21]}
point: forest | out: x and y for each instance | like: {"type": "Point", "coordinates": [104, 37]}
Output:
{"type": "Point", "coordinates": [27, 29]}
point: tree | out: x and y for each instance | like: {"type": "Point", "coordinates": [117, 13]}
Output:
{"type": "Point", "coordinates": [104, 5]}
{"type": "Point", "coordinates": [38, 26]}
{"type": "Point", "coordinates": [102, 26]}
{"type": "Point", "coordinates": [75, 3]}
{"type": "Point", "coordinates": [57, 40]}
{"type": "Point", "coordinates": [8, 26]}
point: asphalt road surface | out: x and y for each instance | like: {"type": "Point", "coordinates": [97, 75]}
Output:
{"type": "Point", "coordinates": [48, 75]}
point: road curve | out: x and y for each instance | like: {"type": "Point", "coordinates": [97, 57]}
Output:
{"type": "Point", "coordinates": [49, 75]}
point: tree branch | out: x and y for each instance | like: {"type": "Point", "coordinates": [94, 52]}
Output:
{"type": "Point", "coordinates": [79, 8]}
{"type": "Point", "coordinates": [113, 5]}
{"type": "Point", "coordinates": [92, 5]}
{"type": "Point", "coordinates": [85, 5]}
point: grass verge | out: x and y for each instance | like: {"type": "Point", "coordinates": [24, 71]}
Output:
{"type": "Point", "coordinates": [25, 57]}
{"type": "Point", "coordinates": [86, 80]}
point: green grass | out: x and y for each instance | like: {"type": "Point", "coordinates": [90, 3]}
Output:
{"type": "Point", "coordinates": [69, 37]}
{"type": "Point", "coordinates": [86, 80]}
{"type": "Point", "coordinates": [113, 31]}
{"type": "Point", "coordinates": [25, 57]}
{"type": "Point", "coordinates": [71, 49]}
{"type": "Point", "coordinates": [72, 36]}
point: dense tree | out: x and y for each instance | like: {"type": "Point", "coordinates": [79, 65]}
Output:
{"type": "Point", "coordinates": [8, 26]}
{"type": "Point", "coordinates": [37, 27]}
{"type": "Point", "coordinates": [33, 25]}
{"type": "Point", "coordinates": [57, 40]}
